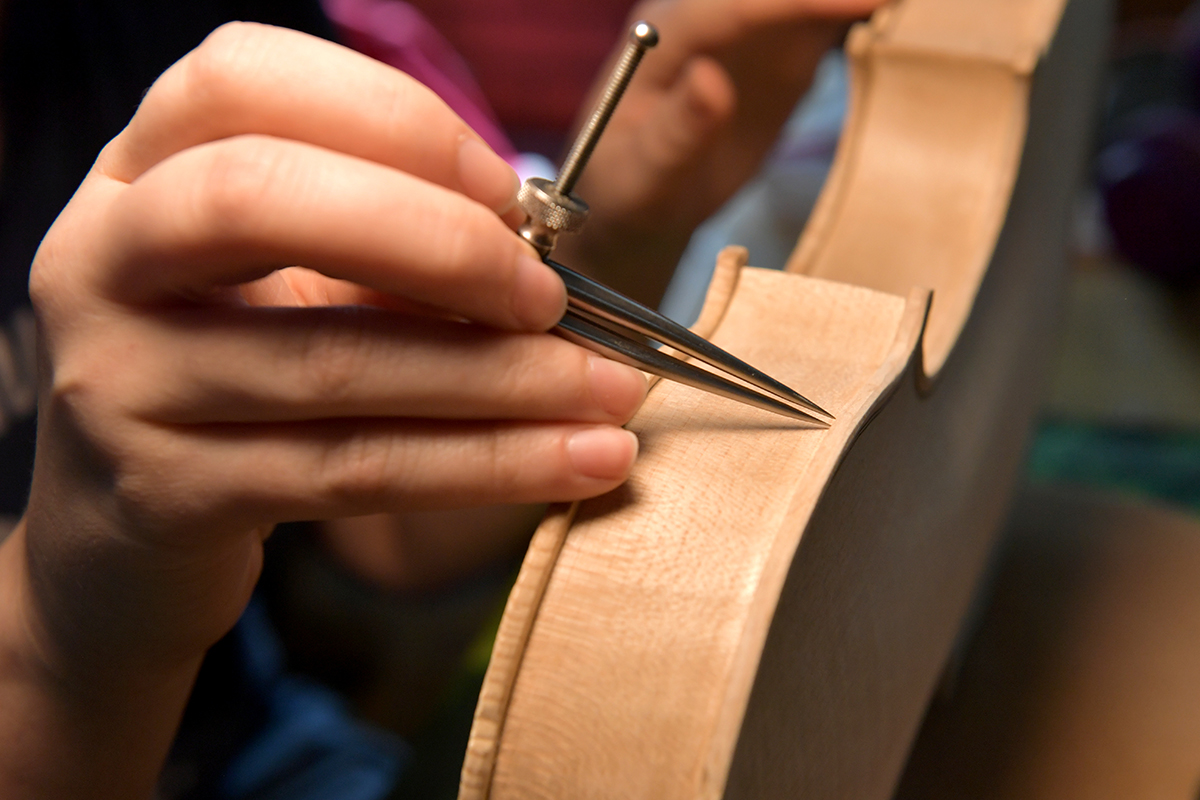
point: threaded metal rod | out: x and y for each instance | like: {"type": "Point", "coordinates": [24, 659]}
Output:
{"type": "Point", "coordinates": [642, 37]}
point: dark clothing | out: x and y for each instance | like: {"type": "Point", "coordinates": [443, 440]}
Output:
{"type": "Point", "coordinates": [71, 75]}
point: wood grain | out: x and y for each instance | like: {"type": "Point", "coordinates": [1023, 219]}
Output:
{"type": "Point", "coordinates": [687, 555]}
{"type": "Point", "coordinates": [762, 611]}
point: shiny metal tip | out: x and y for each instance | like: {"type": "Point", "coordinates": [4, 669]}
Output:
{"type": "Point", "coordinates": [644, 34]}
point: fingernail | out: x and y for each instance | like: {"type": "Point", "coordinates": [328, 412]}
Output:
{"type": "Point", "coordinates": [485, 176]}
{"type": "Point", "coordinates": [604, 453]}
{"type": "Point", "coordinates": [618, 389]}
{"type": "Point", "coordinates": [539, 297]}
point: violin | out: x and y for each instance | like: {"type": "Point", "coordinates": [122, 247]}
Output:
{"type": "Point", "coordinates": [764, 609]}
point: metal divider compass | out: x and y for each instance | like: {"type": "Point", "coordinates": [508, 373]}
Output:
{"type": "Point", "coordinates": [616, 326]}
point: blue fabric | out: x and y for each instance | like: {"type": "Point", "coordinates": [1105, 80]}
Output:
{"type": "Point", "coordinates": [1162, 465]}
{"type": "Point", "coordinates": [310, 747]}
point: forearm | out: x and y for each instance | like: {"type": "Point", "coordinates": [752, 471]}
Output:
{"type": "Point", "coordinates": [70, 729]}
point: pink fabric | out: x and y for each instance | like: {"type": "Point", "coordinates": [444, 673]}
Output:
{"type": "Point", "coordinates": [397, 34]}
{"type": "Point", "coordinates": [534, 59]}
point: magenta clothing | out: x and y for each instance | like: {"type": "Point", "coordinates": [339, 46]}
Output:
{"type": "Point", "coordinates": [397, 34]}
{"type": "Point", "coordinates": [534, 59]}
{"type": "Point", "coordinates": [502, 64]}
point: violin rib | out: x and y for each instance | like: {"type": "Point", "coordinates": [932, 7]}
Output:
{"type": "Point", "coordinates": [763, 611]}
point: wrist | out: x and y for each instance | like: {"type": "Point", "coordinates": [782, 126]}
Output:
{"type": "Point", "coordinates": [70, 728]}
{"type": "Point", "coordinates": [40, 648]}
{"type": "Point", "coordinates": [98, 599]}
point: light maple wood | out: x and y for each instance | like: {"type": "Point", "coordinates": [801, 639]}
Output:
{"type": "Point", "coordinates": [762, 611]}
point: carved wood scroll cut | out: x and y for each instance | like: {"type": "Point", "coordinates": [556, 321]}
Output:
{"type": "Point", "coordinates": [653, 545]}
{"type": "Point", "coordinates": [925, 168]}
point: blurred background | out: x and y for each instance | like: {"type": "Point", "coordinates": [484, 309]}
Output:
{"type": "Point", "coordinates": [1123, 410]}
{"type": "Point", "coordinates": [1078, 675]}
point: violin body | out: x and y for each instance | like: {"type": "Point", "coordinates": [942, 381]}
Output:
{"type": "Point", "coordinates": [764, 609]}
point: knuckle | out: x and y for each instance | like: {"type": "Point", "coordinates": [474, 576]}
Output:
{"type": "Point", "coordinates": [361, 467]}
{"type": "Point", "coordinates": [543, 377]}
{"type": "Point", "coordinates": [333, 352]}
{"type": "Point", "coordinates": [58, 275]}
{"type": "Point", "coordinates": [159, 491]}
{"type": "Point", "coordinates": [576, 375]}
{"type": "Point", "coordinates": [83, 417]}
{"type": "Point", "coordinates": [475, 253]}
{"type": "Point", "coordinates": [474, 242]}
{"type": "Point", "coordinates": [461, 237]}
{"type": "Point", "coordinates": [498, 476]}
{"type": "Point", "coordinates": [91, 394]}
{"type": "Point", "coordinates": [236, 179]}
{"type": "Point", "coordinates": [558, 367]}
{"type": "Point", "coordinates": [214, 70]}
{"type": "Point", "coordinates": [44, 282]}
{"type": "Point", "coordinates": [398, 96]}
{"type": "Point", "coordinates": [516, 371]}
{"type": "Point", "coordinates": [142, 493]}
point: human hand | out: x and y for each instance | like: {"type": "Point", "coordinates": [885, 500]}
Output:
{"type": "Point", "coordinates": [195, 393]}
{"type": "Point", "coordinates": [696, 122]}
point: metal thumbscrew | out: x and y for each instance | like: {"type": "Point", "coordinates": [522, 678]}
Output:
{"type": "Point", "coordinates": [551, 206]}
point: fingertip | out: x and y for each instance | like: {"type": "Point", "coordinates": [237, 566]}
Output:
{"type": "Point", "coordinates": [699, 104]}
{"type": "Point", "coordinates": [515, 217]}
{"type": "Point", "coordinates": [602, 453]}
{"type": "Point", "coordinates": [618, 389]}
{"type": "Point", "coordinates": [709, 95]}
{"type": "Point", "coordinates": [485, 177]}
{"type": "Point", "coordinates": [539, 296]}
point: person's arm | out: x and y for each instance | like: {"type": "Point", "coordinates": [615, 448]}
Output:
{"type": "Point", "coordinates": [77, 727]}
{"type": "Point", "coordinates": [193, 393]}
{"type": "Point", "coordinates": [697, 120]}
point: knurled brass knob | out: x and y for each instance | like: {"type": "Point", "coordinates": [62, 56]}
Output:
{"type": "Point", "coordinates": [551, 206]}
{"type": "Point", "coordinates": [550, 213]}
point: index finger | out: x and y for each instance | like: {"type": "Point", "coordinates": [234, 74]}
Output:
{"type": "Point", "coordinates": [229, 212]}
{"type": "Point", "coordinates": [247, 78]}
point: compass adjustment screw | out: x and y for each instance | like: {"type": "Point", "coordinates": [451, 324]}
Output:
{"type": "Point", "coordinates": [551, 205]}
